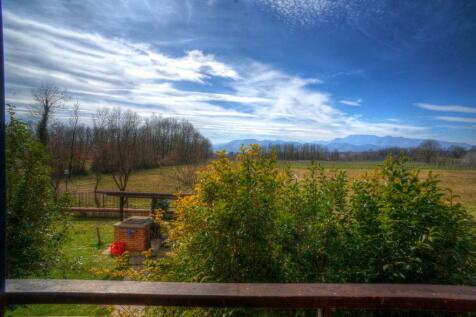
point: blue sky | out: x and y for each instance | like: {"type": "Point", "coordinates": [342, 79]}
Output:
{"type": "Point", "coordinates": [269, 69]}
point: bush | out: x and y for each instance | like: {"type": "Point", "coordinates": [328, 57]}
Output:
{"type": "Point", "coordinates": [35, 221]}
{"type": "Point", "coordinates": [235, 212]}
{"type": "Point", "coordinates": [252, 222]}
{"type": "Point", "coordinates": [407, 231]}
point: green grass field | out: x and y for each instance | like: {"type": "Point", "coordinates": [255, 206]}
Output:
{"type": "Point", "coordinates": [82, 254]}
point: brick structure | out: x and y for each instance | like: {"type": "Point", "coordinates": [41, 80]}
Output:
{"type": "Point", "coordinates": [135, 232]}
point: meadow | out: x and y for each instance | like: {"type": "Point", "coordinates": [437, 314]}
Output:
{"type": "Point", "coordinates": [461, 181]}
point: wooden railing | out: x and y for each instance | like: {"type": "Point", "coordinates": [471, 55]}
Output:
{"type": "Point", "coordinates": [324, 297]}
{"type": "Point", "coordinates": [124, 195]}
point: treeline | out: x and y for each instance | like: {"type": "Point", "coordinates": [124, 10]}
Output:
{"type": "Point", "coordinates": [429, 151]}
{"type": "Point", "coordinates": [117, 143]}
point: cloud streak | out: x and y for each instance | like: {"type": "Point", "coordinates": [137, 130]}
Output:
{"type": "Point", "coordinates": [446, 108]}
{"type": "Point", "coordinates": [456, 119]}
{"type": "Point", "coordinates": [353, 103]}
{"type": "Point", "coordinates": [225, 100]}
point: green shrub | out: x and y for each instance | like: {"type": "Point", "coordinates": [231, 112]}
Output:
{"type": "Point", "coordinates": [227, 232]}
{"type": "Point", "coordinates": [252, 222]}
{"type": "Point", "coordinates": [406, 231]}
{"type": "Point", "coordinates": [35, 221]}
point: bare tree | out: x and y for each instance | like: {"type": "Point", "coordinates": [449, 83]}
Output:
{"type": "Point", "coordinates": [124, 142]}
{"type": "Point", "coordinates": [74, 128]}
{"type": "Point", "coordinates": [428, 150]}
{"type": "Point", "coordinates": [48, 99]}
{"type": "Point", "coordinates": [59, 154]}
{"type": "Point", "coordinates": [100, 164]}
{"type": "Point", "coordinates": [184, 177]}
{"type": "Point", "coordinates": [119, 144]}
{"type": "Point", "coordinates": [456, 151]}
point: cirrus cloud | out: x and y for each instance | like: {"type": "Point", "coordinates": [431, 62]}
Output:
{"type": "Point", "coordinates": [446, 108]}
{"type": "Point", "coordinates": [225, 100]}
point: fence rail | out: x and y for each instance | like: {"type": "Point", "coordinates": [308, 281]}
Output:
{"type": "Point", "coordinates": [103, 200]}
{"type": "Point", "coordinates": [252, 295]}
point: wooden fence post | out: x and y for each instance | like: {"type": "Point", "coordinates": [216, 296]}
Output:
{"type": "Point", "coordinates": [121, 207]}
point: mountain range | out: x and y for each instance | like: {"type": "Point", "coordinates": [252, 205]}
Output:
{"type": "Point", "coordinates": [351, 143]}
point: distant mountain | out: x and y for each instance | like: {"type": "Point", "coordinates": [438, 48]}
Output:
{"type": "Point", "coordinates": [234, 146]}
{"type": "Point", "coordinates": [351, 143]}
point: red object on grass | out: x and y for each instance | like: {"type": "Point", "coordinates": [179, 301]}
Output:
{"type": "Point", "coordinates": [118, 248]}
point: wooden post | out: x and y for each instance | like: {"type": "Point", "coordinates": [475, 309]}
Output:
{"type": "Point", "coordinates": [121, 207]}
{"type": "Point", "coordinates": [98, 236]}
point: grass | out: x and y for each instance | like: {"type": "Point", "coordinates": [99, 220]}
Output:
{"type": "Point", "coordinates": [81, 255]}
{"type": "Point", "coordinates": [365, 165]}
{"type": "Point", "coordinates": [154, 179]}
{"type": "Point", "coordinates": [81, 250]}
{"type": "Point", "coordinates": [58, 310]}
{"type": "Point", "coordinates": [461, 181]}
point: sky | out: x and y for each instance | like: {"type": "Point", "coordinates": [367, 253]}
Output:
{"type": "Point", "coordinates": [300, 70]}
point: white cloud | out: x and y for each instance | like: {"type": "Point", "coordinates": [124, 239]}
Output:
{"type": "Point", "coordinates": [226, 102]}
{"type": "Point", "coordinates": [446, 108]}
{"type": "Point", "coordinates": [456, 119]}
{"type": "Point", "coordinates": [353, 103]}
{"type": "Point", "coordinates": [92, 54]}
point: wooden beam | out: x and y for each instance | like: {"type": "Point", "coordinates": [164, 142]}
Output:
{"type": "Point", "coordinates": [111, 210]}
{"type": "Point", "coordinates": [149, 195]}
{"type": "Point", "coordinates": [279, 296]}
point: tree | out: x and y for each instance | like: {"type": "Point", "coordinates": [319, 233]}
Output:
{"type": "Point", "coordinates": [428, 150]}
{"type": "Point", "coordinates": [123, 142]}
{"type": "Point", "coordinates": [74, 130]}
{"type": "Point", "coordinates": [35, 220]}
{"type": "Point", "coordinates": [119, 144]}
{"type": "Point", "coordinates": [456, 151]}
{"type": "Point", "coordinates": [70, 145]}
{"type": "Point", "coordinates": [48, 99]}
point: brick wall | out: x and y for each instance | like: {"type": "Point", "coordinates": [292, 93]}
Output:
{"type": "Point", "coordinates": [138, 240]}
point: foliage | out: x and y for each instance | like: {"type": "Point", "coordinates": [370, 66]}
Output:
{"type": "Point", "coordinates": [230, 223]}
{"type": "Point", "coordinates": [408, 231]}
{"type": "Point", "coordinates": [249, 222]}
{"type": "Point", "coordinates": [252, 222]}
{"type": "Point", "coordinates": [36, 224]}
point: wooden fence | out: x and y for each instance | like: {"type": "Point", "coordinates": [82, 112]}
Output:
{"type": "Point", "coordinates": [102, 200]}
{"type": "Point", "coordinates": [118, 203]}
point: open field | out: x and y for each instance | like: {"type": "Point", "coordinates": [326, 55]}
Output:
{"type": "Point", "coordinates": [82, 254]}
{"type": "Point", "coordinates": [461, 181]}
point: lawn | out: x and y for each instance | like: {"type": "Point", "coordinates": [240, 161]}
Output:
{"type": "Point", "coordinates": [82, 254]}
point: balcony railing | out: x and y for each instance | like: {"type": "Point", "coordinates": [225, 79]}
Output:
{"type": "Point", "coordinates": [322, 297]}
